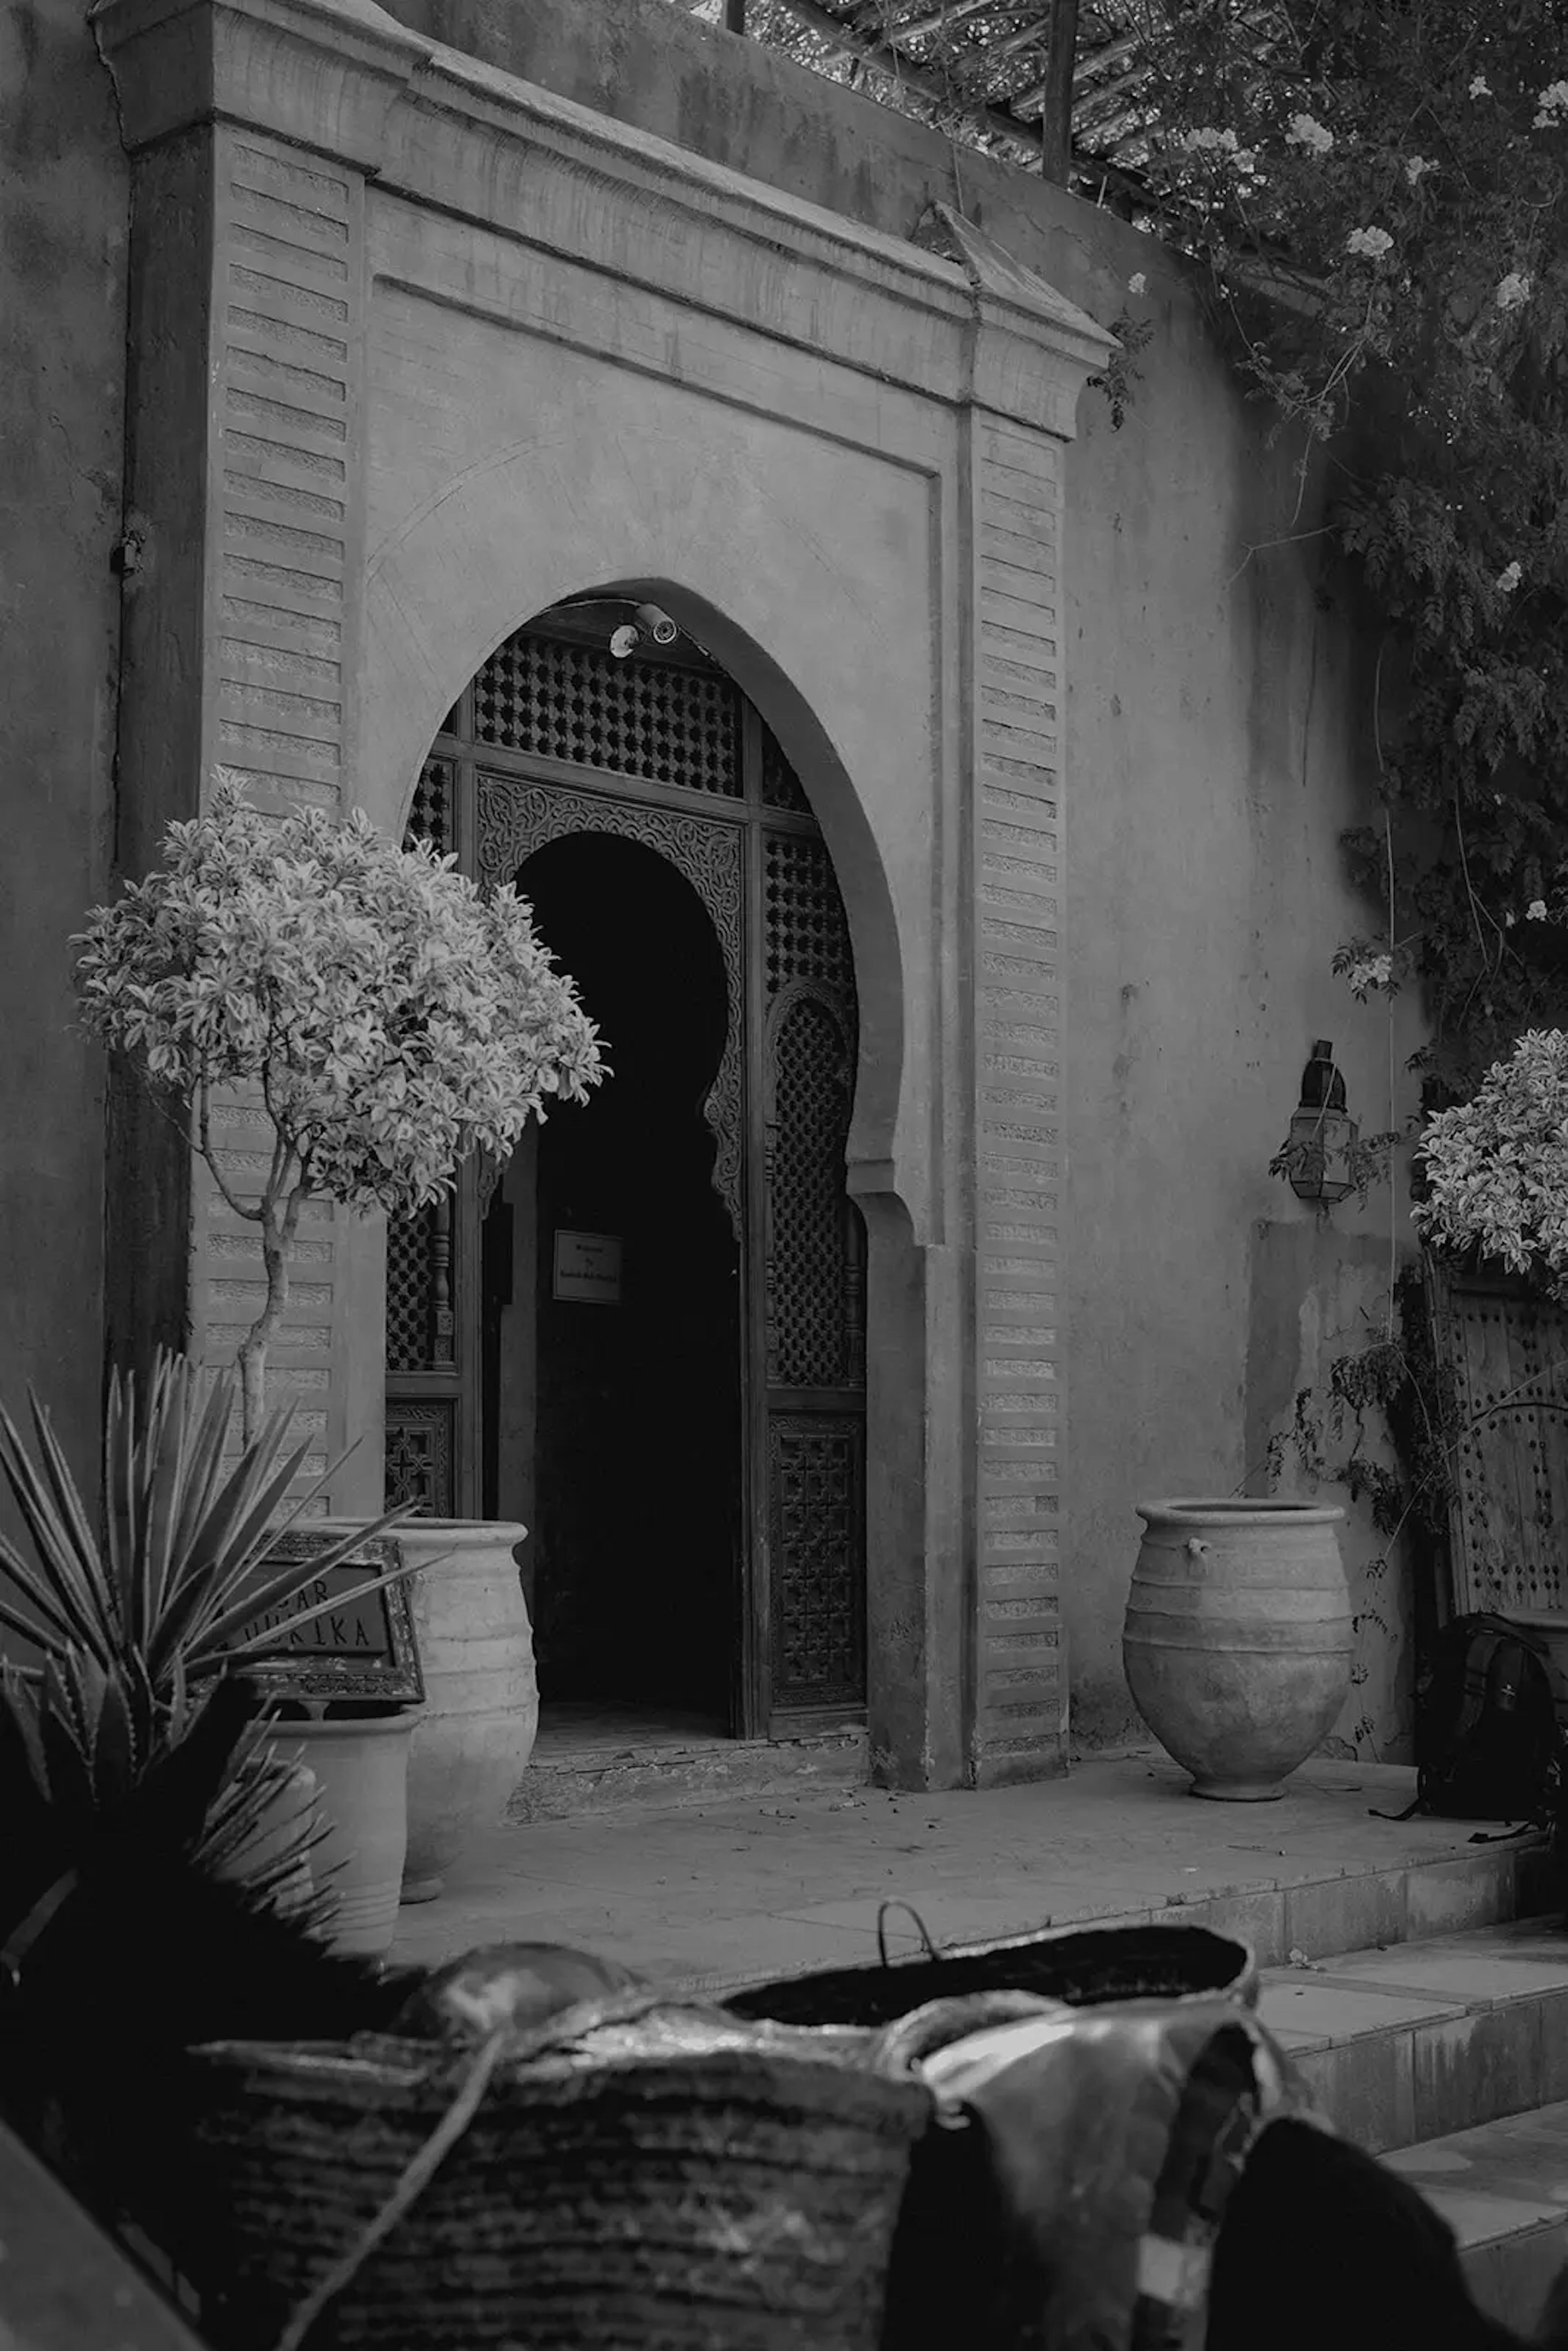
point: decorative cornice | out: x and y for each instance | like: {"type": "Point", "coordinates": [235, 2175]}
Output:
{"type": "Point", "coordinates": [325, 74]}
{"type": "Point", "coordinates": [343, 78]}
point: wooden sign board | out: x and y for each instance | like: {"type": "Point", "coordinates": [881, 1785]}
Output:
{"type": "Point", "coordinates": [588, 1268]}
{"type": "Point", "coordinates": [366, 1649]}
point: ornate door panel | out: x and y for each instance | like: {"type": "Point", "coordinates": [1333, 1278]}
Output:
{"type": "Point", "coordinates": [814, 1336]}
{"type": "Point", "coordinates": [1502, 1352]}
{"type": "Point", "coordinates": [430, 1379]}
{"type": "Point", "coordinates": [554, 738]}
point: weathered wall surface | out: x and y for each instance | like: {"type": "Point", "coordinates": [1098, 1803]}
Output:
{"type": "Point", "coordinates": [62, 343]}
{"type": "Point", "coordinates": [1217, 743]}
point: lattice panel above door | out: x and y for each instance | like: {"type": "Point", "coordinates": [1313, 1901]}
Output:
{"type": "Point", "coordinates": [654, 719]}
{"type": "Point", "coordinates": [781, 784]}
{"type": "Point", "coordinates": [430, 813]}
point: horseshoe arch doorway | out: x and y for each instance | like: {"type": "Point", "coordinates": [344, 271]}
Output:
{"type": "Point", "coordinates": [645, 1337]}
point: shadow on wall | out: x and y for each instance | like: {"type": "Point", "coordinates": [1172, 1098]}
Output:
{"type": "Point", "coordinates": [1317, 1294]}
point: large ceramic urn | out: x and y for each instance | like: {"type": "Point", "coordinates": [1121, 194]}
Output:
{"type": "Point", "coordinates": [1237, 1640]}
{"type": "Point", "coordinates": [474, 1734]}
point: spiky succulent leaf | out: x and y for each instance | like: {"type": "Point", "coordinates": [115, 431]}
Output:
{"type": "Point", "coordinates": [24, 1771]}
{"type": "Point", "coordinates": [66, 1728]}
{"type": "Point", "coordinates": [132, 1734]}
{"type": "Point", "coordinates": [64, 1580]}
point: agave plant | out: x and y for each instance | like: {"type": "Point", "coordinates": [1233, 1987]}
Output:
{"type": "Point", "coordinates": [117, 1729]}
{"type": "Point", "coordinates": [179, 1571]}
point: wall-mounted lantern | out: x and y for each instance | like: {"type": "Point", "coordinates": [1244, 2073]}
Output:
{"type": "Point", "coordinates": [1322, 1138]}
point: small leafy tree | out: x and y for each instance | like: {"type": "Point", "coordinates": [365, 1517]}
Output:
{"type": "Point", "coordinates": [393, 1020]}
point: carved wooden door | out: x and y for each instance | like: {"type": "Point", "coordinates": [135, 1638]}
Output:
{"type": "Point", "coordinates": [1502, 1355]}
{"type": "Point", "coordinates": [554, 738]}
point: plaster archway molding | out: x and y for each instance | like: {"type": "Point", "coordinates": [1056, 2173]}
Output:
{"type": "Point", "coordinates": [420, 351]}
{"type": "Point", "coordinates": [514, 536]}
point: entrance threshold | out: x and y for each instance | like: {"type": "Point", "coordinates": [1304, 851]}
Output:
{"type": "Point", "coordinates": [602, 1757]}
{"type": "Point", "coordinates": [592, 1726]}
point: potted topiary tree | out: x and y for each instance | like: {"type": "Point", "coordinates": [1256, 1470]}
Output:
{"type": "Point", "coordinates": [390, 1022]}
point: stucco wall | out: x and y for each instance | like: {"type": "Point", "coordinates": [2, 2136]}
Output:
{"type": "Point", "coordinates": [62, 342]}
{"type": "Point", "coordinates": [1218, 743]}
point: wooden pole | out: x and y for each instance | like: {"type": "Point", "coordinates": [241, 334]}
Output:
{"type": "Point", "coordinates": [1056, 114]}
{"type": "Point", "coordinates": [890, 61]}
{"type": "Point", "coordinates": [735, 15]}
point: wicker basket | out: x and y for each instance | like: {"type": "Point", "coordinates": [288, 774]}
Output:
{"type": "Point", "coordinates": [677, 2182]}
{"type": "Point", "coordinates": [1083, 1967]}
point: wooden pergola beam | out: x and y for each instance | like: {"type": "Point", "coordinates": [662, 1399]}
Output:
{"type": "Point", "coordinates": [886, 59]}
{"type": "Point", "coordinates": [1056, 109]}
{"type": "Point", "coordinates": [936, 20]}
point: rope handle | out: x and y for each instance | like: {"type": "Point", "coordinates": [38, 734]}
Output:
{"type": "Point", "coordinates": [571, 2024]}
{"type": "Point", "coordinates": [417, 2176]}
{"type": "Point", "coordinates": [895, 1903]}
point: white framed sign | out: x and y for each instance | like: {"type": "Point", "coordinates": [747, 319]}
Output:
{"type": "Point", "coordinates": [588, 1268]}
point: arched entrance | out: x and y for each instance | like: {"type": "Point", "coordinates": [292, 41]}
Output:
{"type": "Point", "coordinates": [645, 1338]}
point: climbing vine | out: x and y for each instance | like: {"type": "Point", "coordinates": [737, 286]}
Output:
{"type": "Point", "coordinates": [1376, 194]}
{"type": "Point", "coordinates": [1395, 1377]}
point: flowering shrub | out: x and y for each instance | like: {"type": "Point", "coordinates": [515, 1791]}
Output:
{"type": "Point", "coordinates": [393, 1020]}
{"type": "Point", "coordinates": [1497, 1165]}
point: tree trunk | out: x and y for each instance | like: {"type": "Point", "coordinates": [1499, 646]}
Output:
{"type": "Point", "coordinates": [252, 1347]}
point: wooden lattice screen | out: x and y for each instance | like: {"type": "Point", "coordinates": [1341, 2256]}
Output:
{"type": "Point", "coordinates": [556, 738]}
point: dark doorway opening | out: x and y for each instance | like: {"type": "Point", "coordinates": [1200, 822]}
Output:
{"type": "Point", "coordinates": [612, 1334]}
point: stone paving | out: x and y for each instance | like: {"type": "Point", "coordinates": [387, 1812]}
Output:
{"type": "Point", "coordinates": [714, 1895]}
{"type": "Point", "coordinates": [1503, 2187]}
{"type": "Point", "coordinates": [1422, 2039]}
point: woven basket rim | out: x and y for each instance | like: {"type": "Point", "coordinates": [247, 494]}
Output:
{"type": "Point", "coordinates": [349, 2065]}
{"type": "Point", "coordinates": [1173, 1935]}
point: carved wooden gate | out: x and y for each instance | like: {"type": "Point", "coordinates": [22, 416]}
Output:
{"type": "Point", "coordinates": [1502, 1349]}
{"type": "Point", "coordinates": [554, 737]}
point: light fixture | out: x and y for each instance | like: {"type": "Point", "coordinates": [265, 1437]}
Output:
{"type": "Point", "coordinates": [651, 622]}
{"type": "Point", "coordinates": [1323, 1136]}
{"type": "Point", "coordinates": [657, 623]}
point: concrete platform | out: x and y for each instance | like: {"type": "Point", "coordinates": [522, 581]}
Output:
{"type": "Point", "coordinates": [1503, 2189]}
{"type": "Point", "coordinates": [710, 1896]}
{"type": "Point", "coordinates": [1425, 2038]}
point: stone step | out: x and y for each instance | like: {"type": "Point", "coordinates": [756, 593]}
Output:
{"type": "Point", "coordinates": [1404, 2044]}
{"type": "Point", "coordinates": [587, 1775]}
{"type": "Point", "coordinates": [1502, 2187]}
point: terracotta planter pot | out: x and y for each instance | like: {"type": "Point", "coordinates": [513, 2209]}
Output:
{"type": "Point", "coordinates": [1238, 1639]}
{"type": "Point", "coordinates": [474, 1734]}
{"type": "Point", "coordinates": [285, 1818]}
{"type": "Point", "coordinates": [361, 1770]}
